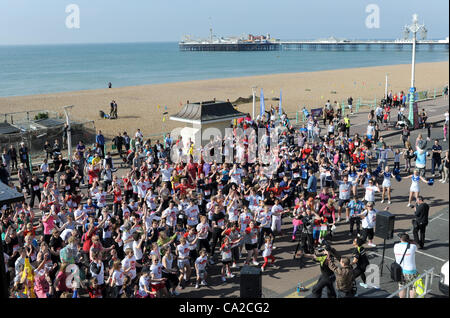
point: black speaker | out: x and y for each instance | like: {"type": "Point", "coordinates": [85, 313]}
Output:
{"type": "Point", "coordinates": [251, 282]}
{"type": "Point", "coordinates": [384, 225]}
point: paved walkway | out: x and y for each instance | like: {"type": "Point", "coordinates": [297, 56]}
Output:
{"type": "Point", "coordinates": [435, 109]}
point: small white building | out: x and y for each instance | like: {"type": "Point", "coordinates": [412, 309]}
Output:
{"type": "Point", "coordinates": [207, 119]}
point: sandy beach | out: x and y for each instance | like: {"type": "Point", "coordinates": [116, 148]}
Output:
{"type": "Point", "coordinates": [143, 106]}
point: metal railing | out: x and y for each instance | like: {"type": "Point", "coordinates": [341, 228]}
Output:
{"type": "Point", "coordinates": [428, 94]}
{"type": "Point", "coordinates": [428, 274]}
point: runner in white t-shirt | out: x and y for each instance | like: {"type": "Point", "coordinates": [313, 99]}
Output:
{"type": "Point", "coordinates": [368, 223]}
{"type": "Point", "coordinates": [129, 263]}
{"type": "Point", "coordinates": [117, 277]}
{"type": "Point", "coordinates": [158, 282]}
{"type": "Point", "coordinates": [144, 285]}
{"type": "Point", "coordinates": [170, 214]}
{"type": "Point", "coordinates": [166, 173]}
{"type": "Point", "coordinates": [200, 268]}
{"type": "Point", "coordinates": [183, 263]}
{"type": "Point", "coordinates": [192, 212]}
{"type": "Point", "coordinates": [370, 191]}
{"type": "Point", "coordinates": [277, 211]}
{"type": "Point", "coordinates": [101, 199]}
{"type": "Point", "coordinates": [236, 174]}
{"type": "Point", "coordinates": [267, 253]}
{"type": "Point", "coordinates": [233, 211]}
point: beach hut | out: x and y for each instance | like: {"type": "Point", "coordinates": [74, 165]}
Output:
{"type": "Point", "coordinates": [206, 118]}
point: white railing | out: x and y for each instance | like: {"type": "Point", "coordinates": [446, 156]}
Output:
{"type": "Point", "coordinates": [428, 274]}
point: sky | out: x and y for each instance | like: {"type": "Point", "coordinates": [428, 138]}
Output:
{"type": "Point", "coordinates": [116, 21]}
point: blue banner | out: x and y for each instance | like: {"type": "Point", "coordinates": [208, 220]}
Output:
{"type": "Point", "coordinates": [262, 107]}
{"type": "Point", "coordinates": [279, 106]}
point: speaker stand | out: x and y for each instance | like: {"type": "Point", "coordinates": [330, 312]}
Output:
{"type": "Point", "coordinates": [382, 258]}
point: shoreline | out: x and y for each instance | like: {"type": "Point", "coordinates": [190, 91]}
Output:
{"type": "Point", "coordinates": [138, 105]}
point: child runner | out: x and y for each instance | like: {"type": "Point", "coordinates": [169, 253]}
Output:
{"type": "Point", "coordinates": [267, 252]}
{"type": "Point", "coordinates": [117, 279]}
{"type": "Point", "coordinates": [297, 217]}
{"type": "Point", "coordinates": [192, 237]}
{"type": "Point", "coordinates": [158, 282]}
{"type": "Point", "coordinates": [234, 236]}
{"type": "Point", "coordinates": [225, 250]}
{"type": "Point", "coordinates": [183, 262]}
{"type": "Point", "coordinates": [200, 268]}
{"type": "Point", "coordinates": [144, 285]}
{"type": "Point", "coordinates": [203, 230]}
{"type": "Point", "coordinates": [169, 272]}
{"type": "Point", "coordinates": [251, 243]}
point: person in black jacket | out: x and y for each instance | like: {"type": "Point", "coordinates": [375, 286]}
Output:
{"type": "Point", "coordinates": [12, 152]}
{"type": "Point", "coordinates": [361, 260]}
{"type": "Point", "coordinates": [48, 150]}
{"type": "Point", "coordinates": [35, 189]}
{"type": "Point", "coordinates": [23, 154]}
{"type": "Point", "coordinates": [118, 142]}
{"type": "Point", "coordinates": [420, 222]}
{"type": "Point", "coordinates": [4, 174]}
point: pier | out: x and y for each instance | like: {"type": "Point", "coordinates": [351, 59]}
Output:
{"type": "Point", "coordinates": [314, 45]}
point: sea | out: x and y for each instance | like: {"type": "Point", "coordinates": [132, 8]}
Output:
{"type": "Point", "coordinates": [41, 69]}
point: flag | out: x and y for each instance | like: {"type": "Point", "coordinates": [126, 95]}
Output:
{"type": "Point", "coordinates": [262, 107]}
{"type": "Point", "coordinates": [279, 106]}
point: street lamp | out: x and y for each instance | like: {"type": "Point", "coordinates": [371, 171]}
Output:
{"type": "Point", "coordinates": [254, 101]}
{"type": "Point", "coordinates": [413, 28]}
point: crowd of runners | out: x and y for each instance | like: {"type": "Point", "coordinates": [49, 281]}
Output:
{"type": "Point", "coordinates": [145, 225]}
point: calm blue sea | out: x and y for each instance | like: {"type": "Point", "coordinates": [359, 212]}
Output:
{"type": "Point", "coordinates": [26, 70]}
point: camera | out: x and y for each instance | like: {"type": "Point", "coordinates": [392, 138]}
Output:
{"type": "Point", "coordinates": [325, 246]}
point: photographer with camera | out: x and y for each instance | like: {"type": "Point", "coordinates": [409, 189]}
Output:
{"type": "Point", "coordinates": [306, 240]}
{"type": "Point", "coordinates": [405, 256]}
{"type": "Point", "coordinates": [327, 276]}
{"type": "Point", "coordinates": [345, 277]}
